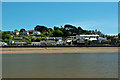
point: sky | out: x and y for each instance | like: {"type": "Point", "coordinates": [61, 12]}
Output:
{"type": "Point", "coordinates": [88, 15]}
{"type": "Point", "coordinates": [60, 0]}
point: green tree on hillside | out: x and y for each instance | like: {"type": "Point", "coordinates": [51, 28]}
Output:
{"type": "Point", "coordinates": [15, 30]}
{"type": "Point", "coordinates": [6, 37]}
{"type": "Point", "coordinates": [41, 28]}
{"type": "Point", "coordinates": [38, 39]}
{"type": "Point", "coordinates": [22, 30]}
{"type": "Point", "coordinates": [57, 33]}
{"type": "Point", "coordinates": [119, 35]}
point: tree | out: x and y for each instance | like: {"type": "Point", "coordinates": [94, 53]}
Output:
{"type": "Point", "coordinates": [57, 33]}
{"type": "Point", "coordinates": [38, 39]}
{"type": "Point", "coordinates": [41, 28]}
{"type": "Point", "coordinates": [33, 40]}
{"type": "Point", "coordinates": [50, 29]}
{"type": "Point", "coordinates": [22, 30]}
{"type": "Point", "coordinates": [6, 32]}
{"type": "Point", "coordinates": [56, 28]}
{"type": "Point", "coordinates": [119, 35]}
{"type": "Point", "coordinates": [79, 30]}
{"type": "Point", "coordinates": [70, 29]}
{"type": "Point", "coordinates": [110, 37]}
{"type": "Point", "coordinates": [6, 37]}
{"type": "Point", "coordinates": [15, 30]}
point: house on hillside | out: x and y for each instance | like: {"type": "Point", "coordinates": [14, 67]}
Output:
{"type": "Point", "coordinates": [101, 39]}
{"type": "Point", "coordinates": [69, 41]}
{"type": "Point", "coordinates": [3, 44]}
{"type": "Point", "coordinates": [41, 43]}
{"type": "Point", "coordinates": [51, 43]}
{"type": "Point", "coordinates": [14, 32]}
{"type": "Point", "coordinates": [52, 38]}
{"type": "Point", "coordinates": [60, 42]}
{"type": "Point", "coordinates": [25, 33]}
{"type": "Point", "coordinates": [36, 44]}
{"type": "Point", "coordinates": [87, 37]}
{"type": "Point", "coordinates": [36, 33]}
{"type": "Point", "coordinates": [58, 38]}
{"type": "Point", "coordinates": [31, 37]}
{"type": "Point", "coordinates": [80, 42]}
{"type": "Point", "coordinates": [20, 43]}
{"type": "Point", "coordinates": [18, 38]}
{"type": "Point", "coordinates": [106, 42]}
{"type": "Point", "coordinates": [11, 41]}
{"type": "Point", "coordinates": [72, 37]}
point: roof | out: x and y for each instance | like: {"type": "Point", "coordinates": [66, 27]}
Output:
{"type": "Point", "coordinates": [81, 41]}
{"type": "Point", "coordinates": [51, 41]}
{"type": "Point", "coordinates": [35, 42]}
{"type": "Point", "coordinates": [15, 31]}
{"type": "Point", "coordinates": [93, 39]}
{"type": "Point", "coordinates": [21, 42]}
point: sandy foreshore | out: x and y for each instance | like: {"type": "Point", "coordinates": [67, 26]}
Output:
{"type": "Point", "coordinates": [60, 50]}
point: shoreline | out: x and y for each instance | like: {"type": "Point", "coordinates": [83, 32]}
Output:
{"type": "Point", "coordinates": [60, 50]}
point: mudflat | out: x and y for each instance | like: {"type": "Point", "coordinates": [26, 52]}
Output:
{"type": "Point", "coordinates": [60, 50]}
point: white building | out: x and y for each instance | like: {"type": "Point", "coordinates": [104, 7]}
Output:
{"type": "Point", "coordinates": [60, 42]}
{"type": "Point", "coordinates": [11, 41]}
{"type": "Point", "coordinates": [59, 38]}
{"type": "Point", "coordinates": [102, 39]}
{"type": "Point", "coordinates": [36, 33]}
{"type": "Point", "coordinates": [35, 43]}
{"type": "Point", "coordinates": [39, 43]}
{"type": "Point", "coordinates": [50, 38]}
{"type": "Point", "coordinates": [51, 43]}
{"type": "Point", "coordinates": [53, 38]}
{"type": "Point", "coordinates": [88, 37]}
{"type": "Point", "coordinates": [25, 33]}
{"type": "Point", "coordinates": [3, 44]}
{"type": "Point", "coordinates": [14, 32]}
{"type": "Point", "coordinates": [19, 38]}
{"type": "Point", "coordinates": [20, 43]}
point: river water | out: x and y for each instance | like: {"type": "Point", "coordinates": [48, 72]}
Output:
{"type": "Point", "coordinates": [61, 65]}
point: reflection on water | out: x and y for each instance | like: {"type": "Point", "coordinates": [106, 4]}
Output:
{"type": "Point", "coordinates": [82, 65]}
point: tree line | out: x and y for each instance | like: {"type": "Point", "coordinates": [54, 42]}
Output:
{"type": "Point", "coordinates": [67, 30]}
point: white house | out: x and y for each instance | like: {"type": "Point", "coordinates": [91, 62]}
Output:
{"type": "Point", "coordinates": [18, 38]}
{"type": "Point", "coordinates": [88, 37]}
{"type": "Point", "coordinates": [39, 43]}
{"type": "Point", "coordinates": [11, 41]}
{"type": "Point", "coordinates": [35, 43]}
{"type": "Point", "coordinates": [36, 33]}
{"type": "Point", "coordinates": [25, 33]}
{"type": "Point", "coordinates": [59, 38]}
{"type": "Point", "coordinates": [14, 32]}
{"type": "Point", "coordinates": [51, 43]}
{"type": "Point", "coordinates": [102, 39]}
{"type": "Point", "coordinates": [50, 38]}
{"type": "Point", "coordinates": [20, 43]}
{"type": "Point", "coordinates": [3, 44]}
{"type": "Point", "coordinates": [53, 38]}
{"type": "Point", "coordinates": [31, 37]}
{"type": "Point", "coordinates": [60, 42]}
